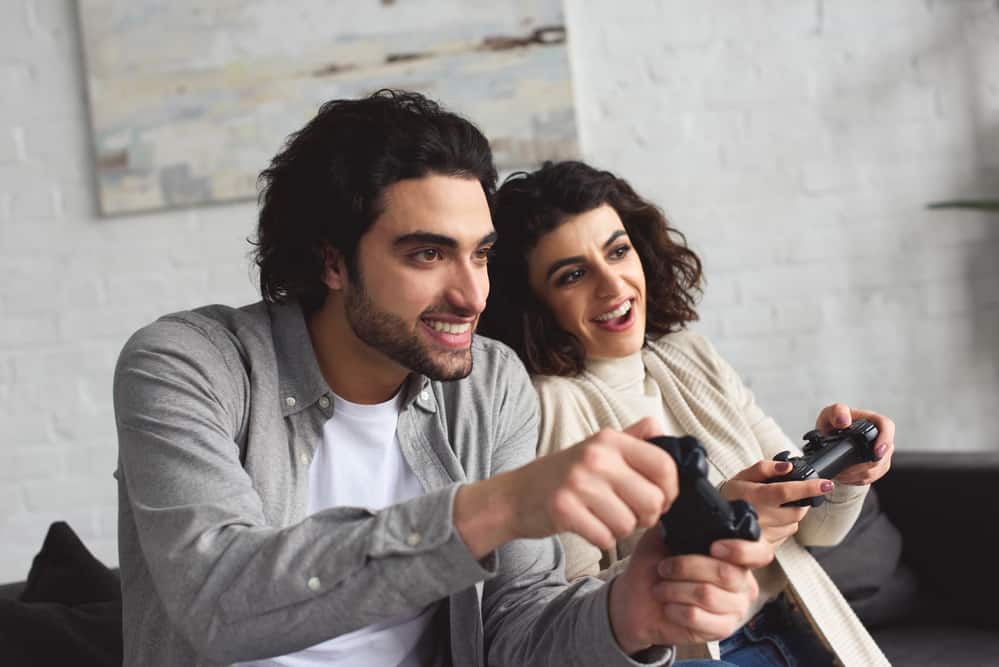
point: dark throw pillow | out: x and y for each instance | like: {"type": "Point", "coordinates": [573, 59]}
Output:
{"type": "Point", "coordinates": [866, 567]}
{"type": "Point", "coordinates": [69, 612]}
{"type": "Point", "coordinates": [65, 571]}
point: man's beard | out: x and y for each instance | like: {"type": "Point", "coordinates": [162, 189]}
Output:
{"type": "Point", "coordinates": [389, 334]}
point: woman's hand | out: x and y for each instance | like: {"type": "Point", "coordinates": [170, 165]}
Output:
{"type": "Point", "coordinates": [776, 523]}
{"type": "Point", "coordinates": [839, 415]}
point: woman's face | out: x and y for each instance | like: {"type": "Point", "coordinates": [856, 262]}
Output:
{"type": "Point", "coordinates": [587, 272]}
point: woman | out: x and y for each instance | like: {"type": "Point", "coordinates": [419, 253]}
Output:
{"type": "Point", "coordinates": [593, 289]}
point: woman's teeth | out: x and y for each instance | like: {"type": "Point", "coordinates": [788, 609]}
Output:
{"type": "Point", "coordinates": [616, 313]}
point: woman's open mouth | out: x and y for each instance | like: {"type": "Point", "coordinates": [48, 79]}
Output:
{"type": "Point", "coordinates": [618, 319]}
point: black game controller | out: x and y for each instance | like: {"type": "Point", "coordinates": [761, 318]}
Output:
{"type": "Point", "coordinates": [700, 515]}
{"type": "Point", "coordinates": [825, 456]}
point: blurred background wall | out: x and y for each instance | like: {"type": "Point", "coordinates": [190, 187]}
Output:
{"type": "Point", "coordinates": [796, 143]}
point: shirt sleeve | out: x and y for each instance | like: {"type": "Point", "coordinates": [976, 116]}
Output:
{"type": "Point", "coordinates": [531, 616]}
{"type": "Point", "coordinates": [235, 584]}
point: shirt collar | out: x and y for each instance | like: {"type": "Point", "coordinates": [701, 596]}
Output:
{"type": "Point", "coordinates": [301, 382]}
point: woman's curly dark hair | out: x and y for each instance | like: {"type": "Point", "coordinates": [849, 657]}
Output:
{"type": "Point", "coordinates": [528, 206]}
{"type": "Point", "coordinates": [324, 189]}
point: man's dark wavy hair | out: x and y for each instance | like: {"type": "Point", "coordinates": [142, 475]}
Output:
{"type": "Point", "coordinates": [528, 206]}
{"type": "Point", "coordinates": [324, 189]}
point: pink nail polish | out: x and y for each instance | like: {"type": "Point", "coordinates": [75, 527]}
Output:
{"type": "Point", "coordinates": [827, 486]}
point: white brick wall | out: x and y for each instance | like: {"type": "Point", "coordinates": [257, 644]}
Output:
{"type": "Point", "coordinates": [795, 144]}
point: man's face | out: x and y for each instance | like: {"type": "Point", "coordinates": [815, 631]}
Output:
{"type": "Point", "coordinates": [422, 281]}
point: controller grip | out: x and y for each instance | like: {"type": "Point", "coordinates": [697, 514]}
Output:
{"type": "Point", "coordinates": [746, 524]}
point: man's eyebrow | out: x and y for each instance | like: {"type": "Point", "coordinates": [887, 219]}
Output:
{"type": "Point", "coordinates": [416, 238]}
{"type": "Point", "coordinates": [577, 259]}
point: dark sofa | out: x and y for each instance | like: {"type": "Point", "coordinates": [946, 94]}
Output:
{"type": "Point", "coordinates": [931, 606]}
{"type": "Point", "coordinates": [947, 509]}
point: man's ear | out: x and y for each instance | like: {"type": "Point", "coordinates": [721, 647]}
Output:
{"type": "Point", "coordinates": [334, 269]}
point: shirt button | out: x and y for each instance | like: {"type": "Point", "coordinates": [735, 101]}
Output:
{"type": "Point", "coordinates": [413, 539]}
{"type": "Point", "coordinates": [290, 401]}
{"type": "Point", "coordinates": [304, 458]}
{"type": "Point", "coordinates": [424, 395]}
{"type": "Point", "coordinates": [324, 402]}
{"type": "Point", "coordinates": [313, 583]}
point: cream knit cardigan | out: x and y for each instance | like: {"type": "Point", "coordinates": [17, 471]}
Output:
{"type": "Point", "coordinates": [710, 402]}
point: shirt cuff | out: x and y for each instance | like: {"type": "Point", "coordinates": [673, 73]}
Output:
{"type": "Point", "coordinates": [425, 525]}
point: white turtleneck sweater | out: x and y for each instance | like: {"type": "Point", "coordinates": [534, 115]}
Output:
{"type": "Point", "coordinates": [682, 382]}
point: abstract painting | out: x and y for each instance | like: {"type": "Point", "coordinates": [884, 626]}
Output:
{"type": "Point", "coordinates": [189, 101]}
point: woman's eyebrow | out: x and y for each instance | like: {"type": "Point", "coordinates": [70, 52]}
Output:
{"type": "Point", "coordinates": [559, 263]}
{"type": "Point", "coordinates": [613, 237]}
{"type": "Point", "coordinates": [577, 259]}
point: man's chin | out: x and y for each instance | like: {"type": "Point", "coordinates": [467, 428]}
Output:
{"type": "Point", "coordinates": [457, 367]}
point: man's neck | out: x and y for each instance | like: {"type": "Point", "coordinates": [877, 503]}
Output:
{"type": "Point", "coordinates": [351, 368]}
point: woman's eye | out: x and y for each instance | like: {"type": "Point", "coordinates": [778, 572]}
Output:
{"type": "Point", "coordinates": [620, 251]}
{"type": "Point", "coordinates": [570, 277]}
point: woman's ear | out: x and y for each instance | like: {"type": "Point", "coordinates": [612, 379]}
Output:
{"type": "Point", "coordinates": [334, 269]}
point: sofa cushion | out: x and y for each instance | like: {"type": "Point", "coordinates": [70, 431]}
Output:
{"type": "Point", "coordinates": [954, 646]}
{"type": "Point", "coordinates": [65, 571]}
{"type": "Point", "coordinates": [69, 612]}
{"type": "Point", "coordinates": [50, 633]}
{"type": "Point", "coordinates": [867, 568]}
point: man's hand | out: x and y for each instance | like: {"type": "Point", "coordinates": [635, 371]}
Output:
{"type": "Point", "coordinates": [776, 523]}
{"type": "Point", "coordinates": [662, 600]}
{"type": "Point", "coordinates": [602, 489]}
{"type": "Point", "coordinates": [839, 415]}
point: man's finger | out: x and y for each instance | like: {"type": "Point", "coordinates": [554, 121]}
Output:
{"type": "Point", "coordinates": [700, 624]}
{"type": "Point", "coordinates": [652, 463]}
{"type": "Point", "coordinates": [706, 596]}
{"type": "Point", "coordinates": [644, 428]}
{"type": "Point", "coordinates": [743, 553]}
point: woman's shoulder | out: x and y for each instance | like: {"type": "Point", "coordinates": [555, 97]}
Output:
{"type": "Point", "coordinates": [689, 343]}
{"type": "Point", "coordinates": [556, 387]}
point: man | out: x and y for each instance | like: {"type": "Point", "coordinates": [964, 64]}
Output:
{"type": "Point", "coordinates": [343, 474]}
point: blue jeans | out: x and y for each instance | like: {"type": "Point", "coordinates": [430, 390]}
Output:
{"type": "Point", "coordinates": [777, 636]}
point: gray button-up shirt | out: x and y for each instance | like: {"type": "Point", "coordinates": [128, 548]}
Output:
{"type": "Point", "coordinates": [219, 413]}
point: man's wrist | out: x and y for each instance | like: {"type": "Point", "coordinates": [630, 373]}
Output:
{"type": "Point", "coordinates": [617, 610]}
{"type": "Point", "coordinates": [483, 515]}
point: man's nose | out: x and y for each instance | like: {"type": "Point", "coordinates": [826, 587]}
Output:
{"type": "Point", "coordinates": [469, 289]}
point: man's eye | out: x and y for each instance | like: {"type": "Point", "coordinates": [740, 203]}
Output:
{"type": "Point", "coordinates": [485, 254]}
{"type": "Point", "coordinates": [570, 277]}
{"type": "Point", "coordinates": [428, 255]}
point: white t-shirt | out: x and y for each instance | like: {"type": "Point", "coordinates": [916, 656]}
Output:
{"type": "Point", "coordinates": [360, 464]}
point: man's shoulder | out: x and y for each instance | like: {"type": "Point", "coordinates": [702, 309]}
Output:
{"type": "Point", "coordinates": [496, 371]}
{"type": "Point", "coordinates": [215, 329]}
{"type": "Point", "coordinates": [492, 357]}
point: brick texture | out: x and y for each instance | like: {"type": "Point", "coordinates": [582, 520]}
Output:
{"type": "Point", "coordinates": [796, 144]}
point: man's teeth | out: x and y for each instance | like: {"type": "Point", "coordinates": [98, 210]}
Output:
{"type": "Point", "coordinates": [449, 327]}
{"type": "Point", "coordinates": [617, 312]}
